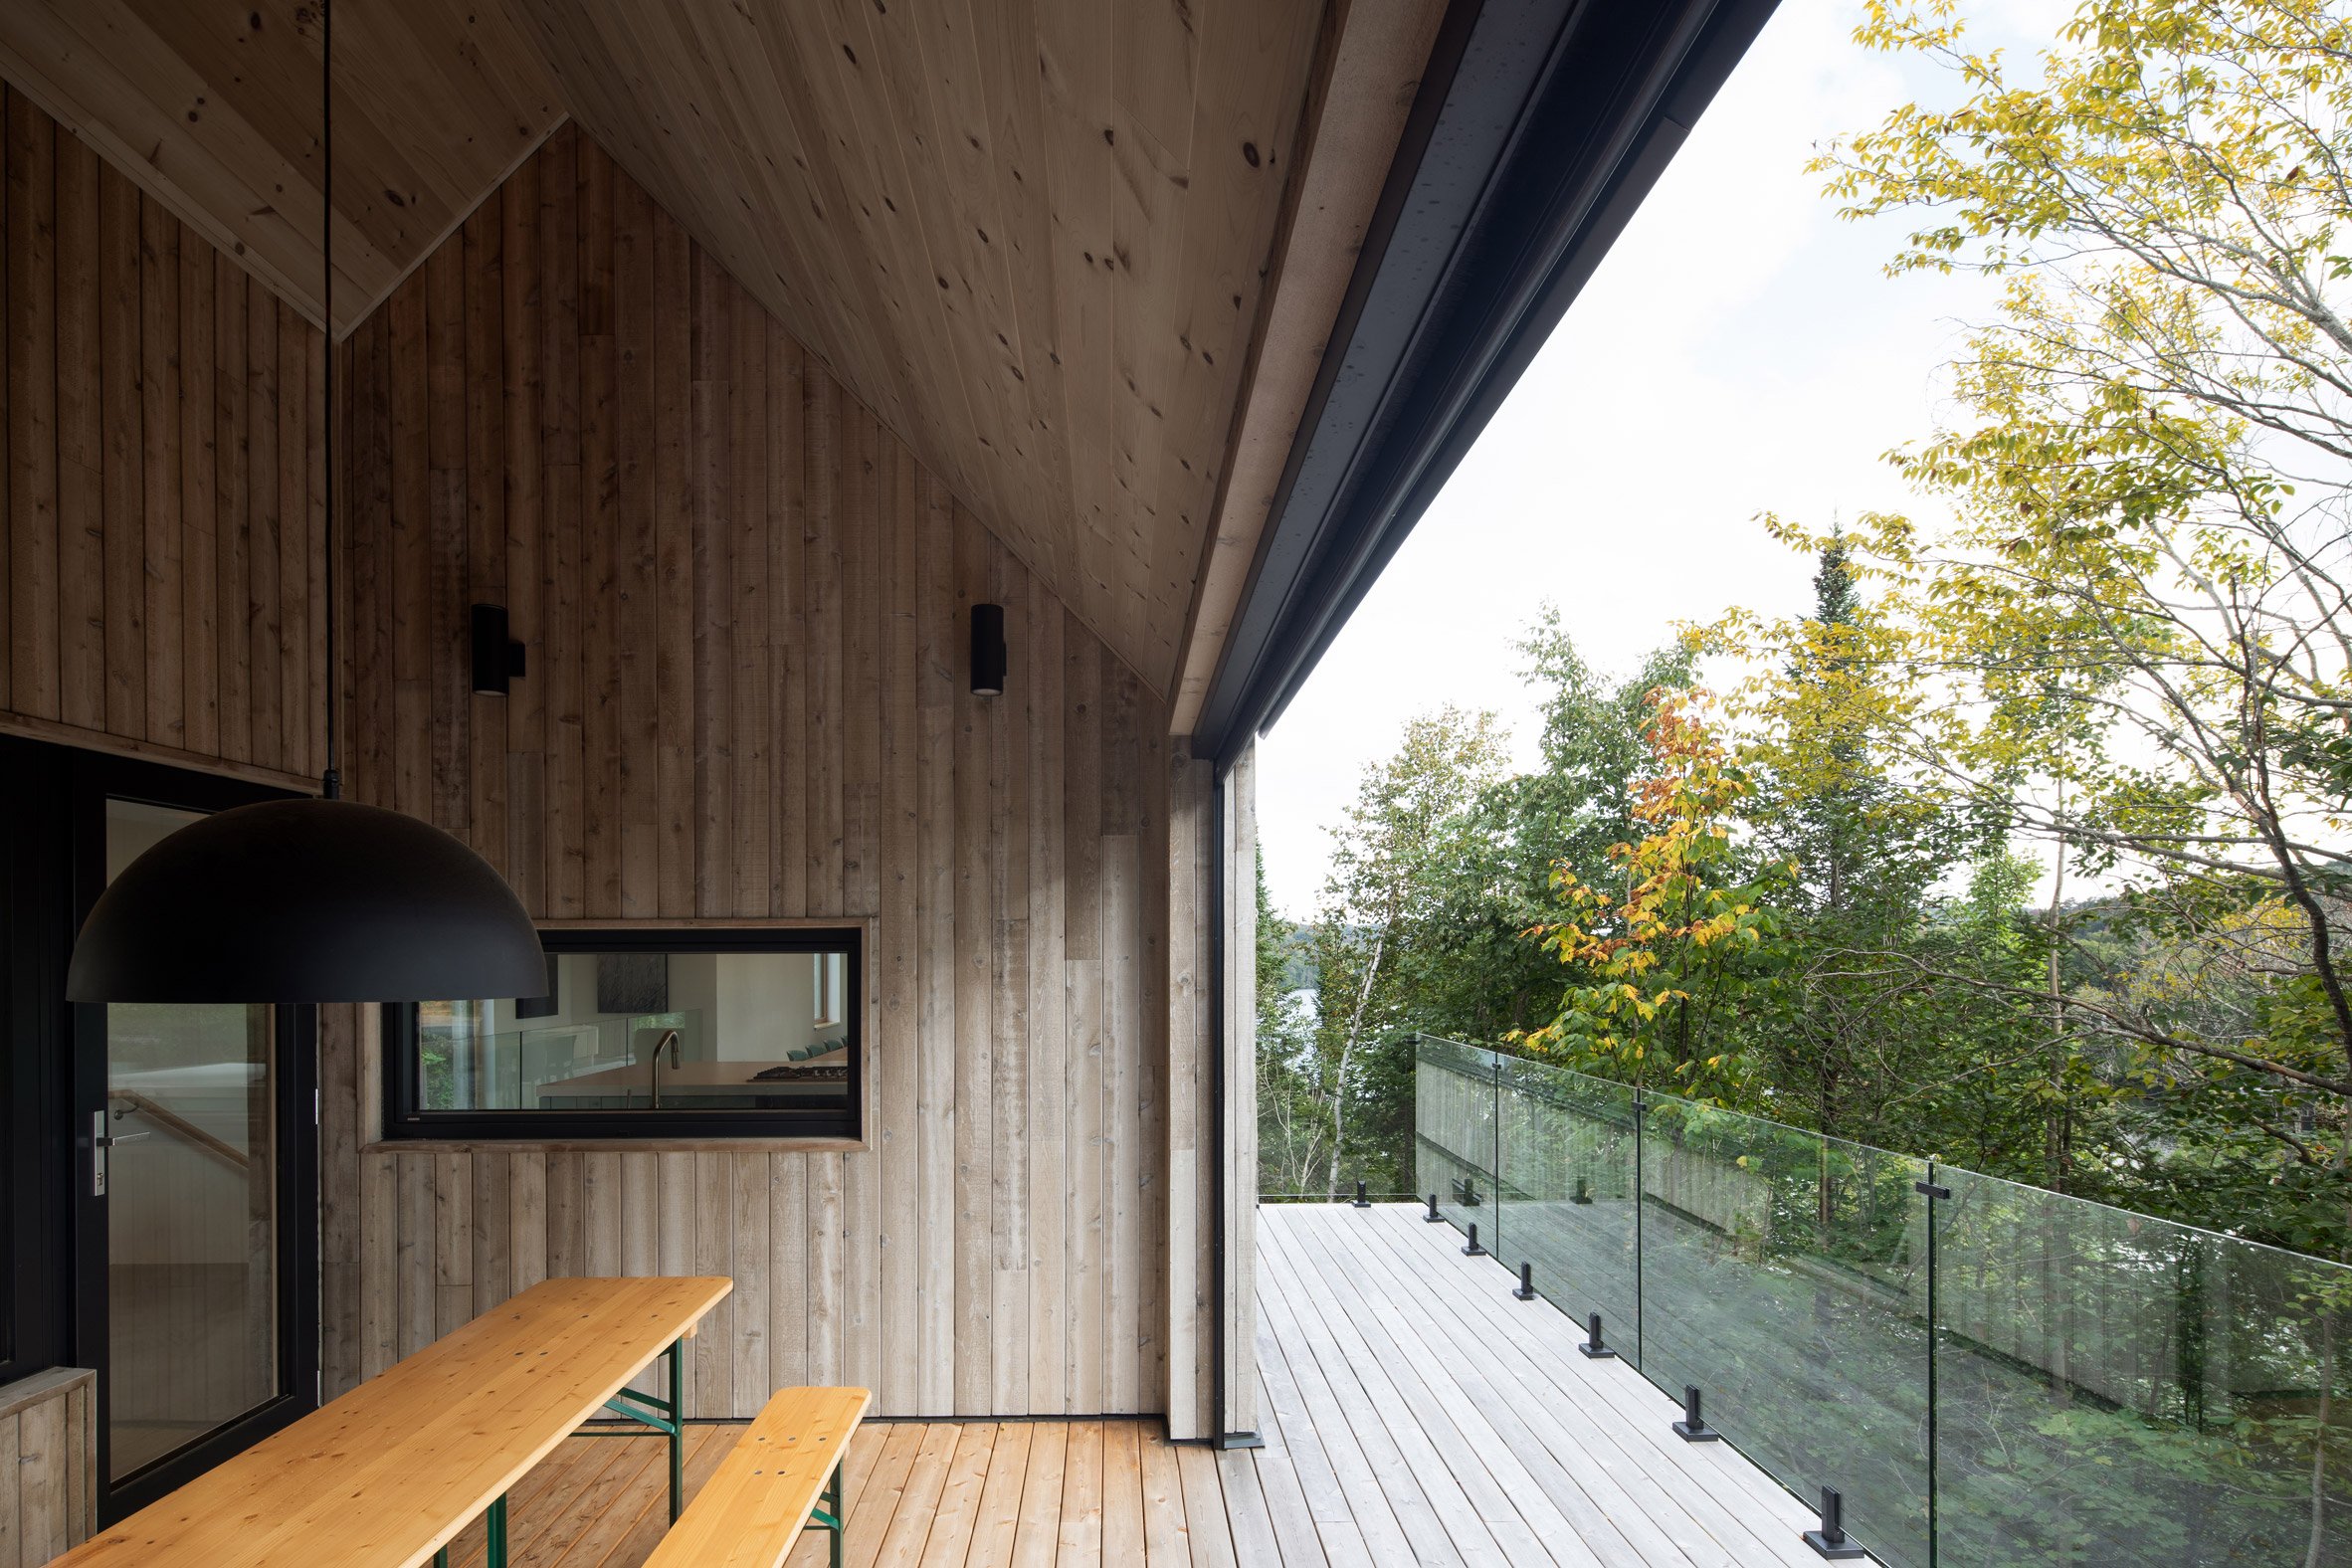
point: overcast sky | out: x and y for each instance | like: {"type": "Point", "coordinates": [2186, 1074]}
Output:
{"type": "Point", "coordinates": [1739, 351]}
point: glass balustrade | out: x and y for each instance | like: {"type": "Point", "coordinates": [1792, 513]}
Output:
{"type": "Point", "coordinates": [1986, 1373]}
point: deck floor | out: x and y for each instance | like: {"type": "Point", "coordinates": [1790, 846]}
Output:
{"type": "Point", "coordinates": [1413, 1414]}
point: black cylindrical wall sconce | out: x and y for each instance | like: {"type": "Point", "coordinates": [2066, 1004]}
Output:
{"type": "Point", "coordinates": [498, 659]}
{"type": "Point", "coordinates": [988, 650]}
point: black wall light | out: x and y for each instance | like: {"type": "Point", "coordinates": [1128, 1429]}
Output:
{"type": "Point", "coordinates": [498, 659]}
{"type": "Point", "coordinates": [988, 650]}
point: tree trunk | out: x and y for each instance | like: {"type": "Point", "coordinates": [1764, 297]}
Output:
{"type": "Point", "coordinates": [1347, 1051]}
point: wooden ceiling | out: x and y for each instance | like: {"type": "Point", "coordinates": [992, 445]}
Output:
{"type": "Point", "coordinates": [212, 105]}
{"type": "Point", "coordinates": [1033, 235]}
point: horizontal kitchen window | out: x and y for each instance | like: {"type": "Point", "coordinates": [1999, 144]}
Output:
{"type": "Point", "coordinates": [643, 1034]}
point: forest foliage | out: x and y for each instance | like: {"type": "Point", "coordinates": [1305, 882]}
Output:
{"type": "Point", "coordinates": [2025, 847]}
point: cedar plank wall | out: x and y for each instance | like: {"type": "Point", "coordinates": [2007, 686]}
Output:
{"type": "Point", "coordinates": [161, 510]}
{"type": "Point", "coordinates": [745, 606]}
{"type": "Point", "coordinates": [48, 1466]}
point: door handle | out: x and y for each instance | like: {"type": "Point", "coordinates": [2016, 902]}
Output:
{"type": "Point", "coordinates": [100, 1142]}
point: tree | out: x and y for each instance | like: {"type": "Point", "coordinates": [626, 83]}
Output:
{"type": "Point", "coordinates": [2139, 623]}
{"type": "Point", "coordinates": [1406, 834]}
{"type": "Point", "coordinates": [1663, 964]}
{"type": "Point", "coordinates": [1468, 971]}
{"type": "Point", "coordinates": [1293, 1118]}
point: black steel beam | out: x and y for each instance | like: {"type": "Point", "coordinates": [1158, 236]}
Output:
{"type": "Point", "coordinates": [1540, 127]}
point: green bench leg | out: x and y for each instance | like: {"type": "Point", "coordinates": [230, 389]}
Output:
{"type": "Point", "coordinates": [830, 1516]}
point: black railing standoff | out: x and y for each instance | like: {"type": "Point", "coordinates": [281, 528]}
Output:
{"type": "Point", "coordinates": [1433, 1217]}
{"type": "Point", "coordinates": [1692, 1427]}
{"type": "Point", "coordinates": [1830, 1540]}
{"type": "Point", "coordinates": [1474, 1250]}
{"type": "Point", "coordinates": [1361, 1202]}
{"type": "Point", "coordinates": [1527, 1290]}
{"type": "Point", "coordinates": [1592, 1345]}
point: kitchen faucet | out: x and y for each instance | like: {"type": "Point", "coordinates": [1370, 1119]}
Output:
{"type": "Point", "coordinates": [669, 1043]}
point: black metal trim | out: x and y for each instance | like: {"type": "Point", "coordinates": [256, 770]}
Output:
{"type": "Point", "coordinates": [37, 919]}
{"type": "Point", "coordinates": [1220, 1431]}
{"type": "Point", "coordinates": [1540, 127]}
{"type": "Point", "coordinates": [403, 1120]}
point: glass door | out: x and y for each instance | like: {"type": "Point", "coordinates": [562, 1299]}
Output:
{"type": "Point", "coordinates": [194, 1295]}
{"type": "Point", "coordinates": [186, 1151]}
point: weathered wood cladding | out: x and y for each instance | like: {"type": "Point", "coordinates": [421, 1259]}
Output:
{"type": "Point", "coordinates": [161, 518]}
{"type": "Point", "coordinates": [48, 1466]}
{"type": "Point", "coordinates": [746, 608]}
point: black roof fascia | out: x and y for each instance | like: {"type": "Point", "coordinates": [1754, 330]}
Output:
{"type": "Point", "coordinates": [1540, 125]}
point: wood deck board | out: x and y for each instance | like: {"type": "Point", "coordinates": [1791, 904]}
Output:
{"type": "Point", "coordinates": [1501, 1376]}
{"type": "Point", "coordinates": [1412, 1411]}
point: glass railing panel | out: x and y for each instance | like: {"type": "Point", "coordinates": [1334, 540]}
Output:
{"type": "Point", "coordinates": [1784, 1273]}
{"type": "Point", "coordinates": [1453, 1131]}
{"type": "Point", "coordinates": [1567, 1190]}
{"type": "Point", "coordinates": [2119, 1389]}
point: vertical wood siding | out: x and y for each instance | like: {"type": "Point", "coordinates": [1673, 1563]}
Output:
{"type": "Point", "coordinates": [160, 519]}
{"type": "Point", "coordinates": [48, 1466]}
{"type": "Point", "coordinates": [746, 609]}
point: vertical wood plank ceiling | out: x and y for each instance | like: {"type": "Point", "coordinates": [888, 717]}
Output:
{"type": "Point", "coordinates": [1031, 235]}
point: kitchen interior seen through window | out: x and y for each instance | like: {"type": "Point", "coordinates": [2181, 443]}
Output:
{"type": "Point", "coordinates": [669, 1031]}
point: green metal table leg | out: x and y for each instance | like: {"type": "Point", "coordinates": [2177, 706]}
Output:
{"type": "Point", "coordinates": [676, 1431]}
{"type": "Point", "coordinates": [495, 1522]}
{"type": "Point", "coordinates": [441, 1558]}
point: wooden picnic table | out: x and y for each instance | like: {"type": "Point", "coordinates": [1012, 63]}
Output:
{"type": "Point", "coordinates": [387, 1475]}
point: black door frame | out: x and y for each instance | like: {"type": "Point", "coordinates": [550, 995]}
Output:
{"type": "Point", "coordinates": [35, 1235]}
{"type": "Point", "coordinates": [92, 780]}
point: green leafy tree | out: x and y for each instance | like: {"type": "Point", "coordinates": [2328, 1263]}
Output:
{"type": "Point", "coordinates": [1408, 834]}
{"type": "Point", "coordinates": [2138, 627]}
{"type": "Point", "coordinates": [1667, 950]}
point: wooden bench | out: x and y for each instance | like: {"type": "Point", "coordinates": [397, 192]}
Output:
{"type": "Point", "coordinates": [753, 1509]}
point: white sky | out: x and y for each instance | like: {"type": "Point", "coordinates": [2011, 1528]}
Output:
{"type": "Point", "coordinates": [1739, 351]}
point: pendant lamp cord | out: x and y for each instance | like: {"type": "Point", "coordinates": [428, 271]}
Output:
{"type": "Point", "coordinates": [331, 785]}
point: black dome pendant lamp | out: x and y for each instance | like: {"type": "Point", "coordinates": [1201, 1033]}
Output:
{"type": "Point", "coordinates": [309, 901]}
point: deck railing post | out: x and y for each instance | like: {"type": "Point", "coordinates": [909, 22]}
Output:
{"type": "Point", "coordinates": [1433, 1217]}
{"type": "Point", "coordinates": [1930, 1190]}
{"type": "Point", "coordinates": [1640, 1181]}
{"type": "Point", "coordinates": [1474, 1250]}
{"type": "Point", "coordinates": [1361, 1201]}
{"type": "Point", "coordinates": [1527, 1290]}
{"type": "Point", "coordinates": [1830, 1540]}
{"type": "Point", "coordinates": [1591, 1347]}
{"type": "Point", "coordinates": [1498, 1171]}
{"type": "Point", "coordinates": [1692, 1427]}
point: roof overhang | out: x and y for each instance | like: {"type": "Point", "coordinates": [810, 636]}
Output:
{"type": "Point", "coordinates": [1540, 127]}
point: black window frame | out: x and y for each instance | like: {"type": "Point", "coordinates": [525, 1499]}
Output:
{"type": "Point", "coordinates": [404, 1121]}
